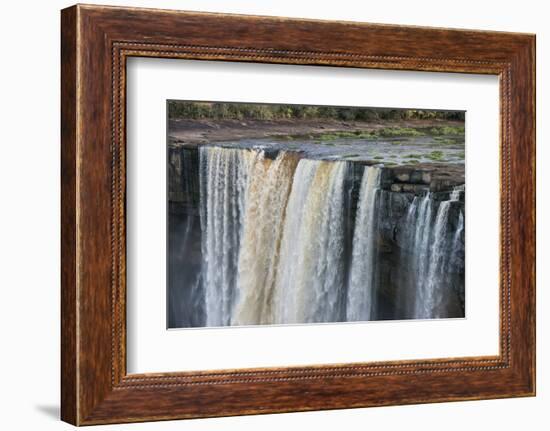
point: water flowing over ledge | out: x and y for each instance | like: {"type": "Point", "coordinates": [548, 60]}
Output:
{"type": "Point", "coordinates": [287, 239]}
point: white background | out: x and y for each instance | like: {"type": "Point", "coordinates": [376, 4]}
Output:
{"type": "Point", "coordinates": [151, 348]}
{"type": "Point", "coordinates": [29, 216]}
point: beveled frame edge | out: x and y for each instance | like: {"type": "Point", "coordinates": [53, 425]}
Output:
{"type": "Point", "coordinates": [96, 41]}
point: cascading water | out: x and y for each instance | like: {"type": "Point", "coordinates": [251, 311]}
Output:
{"type": "Point", "coordinates": [266, 198]}
{"type": "Point", "coordinates": [224, 182]}
{"type": "Point", "coordinates": [432, 289]}
{"type": "Point", "coordinates": [431, 249]}
{"type": "Point", "coordinates": [361, 300]}
{"type": "Point", "coordinates": [291, 253]}
{"type": "Point", "coordinates": [283, 241]}
{"type": "Point", "coordinates": [310, 273]}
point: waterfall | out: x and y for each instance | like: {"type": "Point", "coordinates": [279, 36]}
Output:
{"type": "Point", "coordinates": [432, 250]}
{"type": "Point", "coordinates": [224, 182]}
{"type": "Point", "coordinates": [431, 289]}
{"type": "Point", "coordinates": [310, 273]}
{"type": "Point", "coordinates": [266, 198]}
{"type": "Point", "coordinates": [286, 308]}
{"type": "Point", "coordinates": [458, 232]}
{"type": "Point", "coordinates": [272, 252]}
{"type": "Point", "coordinates": [455, 194]}
{"type": "Point", "coordinates": [361, 295]}
{"type": "Point", "coordinates": [278, 234]}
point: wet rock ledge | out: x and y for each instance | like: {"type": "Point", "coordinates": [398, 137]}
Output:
{"type": "Point", "coordinates": [413, 180]}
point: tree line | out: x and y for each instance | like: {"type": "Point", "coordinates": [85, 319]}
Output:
{"type": "Point", "coordinates": [245, 111]}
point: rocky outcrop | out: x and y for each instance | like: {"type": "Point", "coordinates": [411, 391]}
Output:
{"type": "Point", "coordinates": [414, 179]}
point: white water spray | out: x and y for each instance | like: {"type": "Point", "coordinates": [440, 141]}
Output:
{"type": "Point", "coordinates": [361, 298]}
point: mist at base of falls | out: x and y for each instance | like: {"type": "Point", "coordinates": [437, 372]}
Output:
{"type": "Point", "coordinates": [276, 238]}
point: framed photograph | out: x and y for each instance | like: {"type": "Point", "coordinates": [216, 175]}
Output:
{"type": "Point", "coordinates": [264, 214]}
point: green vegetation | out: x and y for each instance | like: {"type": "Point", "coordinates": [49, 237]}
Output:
{"type": "Point", "coordinates": [447, 130]}
{"type": "Point", "coordinates": [332, 136]}
{"type": "Point", "coordinates": [364, 134]}
{"type": "Point", "coordinates": [444, 141]}
{"type": "Point", "coordinates": [436, 156]}
{"type": "Point", "coordinates": [386, 132]}
{"type": "Point", "coordinates": [242, 111]}
{"type": "Point", "coordinates": [399, 131]}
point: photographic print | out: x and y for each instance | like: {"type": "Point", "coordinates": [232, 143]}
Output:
{"type": "Point", "coordinates": [296, 214]}
{"type": "Point", "coordinates": [309, 251]}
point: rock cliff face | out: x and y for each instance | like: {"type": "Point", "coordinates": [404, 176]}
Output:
{"type": "Point", "coordinates": [417, 237]}
{"type": "Point", "coordinates": [412, 180]}
{"type": "Point", "coordinates": [184, 237]}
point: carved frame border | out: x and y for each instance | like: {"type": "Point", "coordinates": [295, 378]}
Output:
{"type": "Point", "coordinates": [96, 41]}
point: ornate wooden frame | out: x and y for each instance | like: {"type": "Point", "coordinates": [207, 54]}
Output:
{"type": "Point", "coordinates": [95, 43]}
